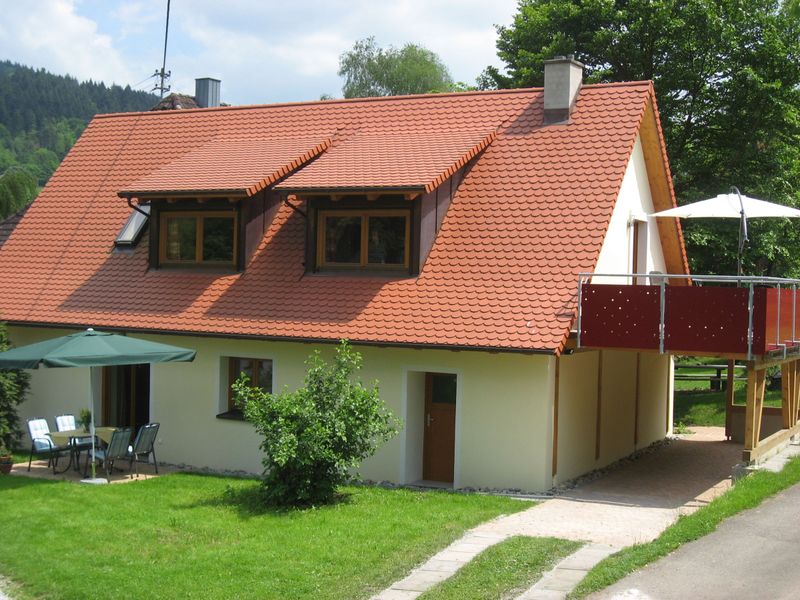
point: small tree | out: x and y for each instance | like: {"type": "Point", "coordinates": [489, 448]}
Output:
{"type": "Point", "coordinates": [369, 70]}
{"type": "Point", "coordinates": [13, 387]}
{"type": "Point", "coordinates": [315, 435]}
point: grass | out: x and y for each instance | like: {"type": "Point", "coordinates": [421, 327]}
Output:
{"type": "Point", "coordinates": [504, 570]}
{"type": "Point", "coordinates": [191, 536]}
{"type": "Point", "coordinates": [747, 493]}
{"type": "Point", "coordinates": [707, 408]}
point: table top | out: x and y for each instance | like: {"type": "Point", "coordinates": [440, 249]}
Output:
{"type": "Point", "coordinates": [62, 437]}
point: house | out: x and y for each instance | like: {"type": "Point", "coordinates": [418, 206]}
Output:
{"type": "Point", "coordinates": [442, 234]}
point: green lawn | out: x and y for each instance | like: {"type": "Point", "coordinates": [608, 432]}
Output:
{"type": "Point", "coordinates": [707, 408]}
{"type": "Point", "coordinates": [504, 570]}
{"type": "Point", "coordinates": [747, 493]}
{"type": "Point", "coordinates": [192, 536]}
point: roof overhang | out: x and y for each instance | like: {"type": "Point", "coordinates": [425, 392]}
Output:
{"type": "Point", "coordinates": [227, 168]}
{"type": "Point", "coordinates": [399, 162]}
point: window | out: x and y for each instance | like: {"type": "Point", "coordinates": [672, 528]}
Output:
{"type": "Point", "coordinates": [365, 239]}
{"type": "Point", "coordinates": [197, 238]}
{"type": "Point", "coordinates": [133, 228]}
{"type": "Point", "coordinates": [258, 370]}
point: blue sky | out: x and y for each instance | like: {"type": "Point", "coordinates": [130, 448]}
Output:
{"type": "Point", "coordinates": [263, 51]}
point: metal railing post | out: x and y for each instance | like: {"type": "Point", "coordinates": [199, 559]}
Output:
{"type": "Point", "coordinates": [794, 311]}
{"type": "Point", "coordinates": [750, 323]}
{"type": "Point", "coordinates": [778, 341]}
{"type": "Point", "coordinates": [661, 328]}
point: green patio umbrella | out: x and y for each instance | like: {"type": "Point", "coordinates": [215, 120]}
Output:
{"type": "Point", "coordinates": [92, 349]}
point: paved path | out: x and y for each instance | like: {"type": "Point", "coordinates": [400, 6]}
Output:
{"type": "Point", "coordinates": [557, 583]}
{"type": "Point", "coordinates": [632, 504]}
{"type": "Point", "coordinates": [751, 555]}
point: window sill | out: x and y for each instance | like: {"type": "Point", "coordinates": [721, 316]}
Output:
{"type": "Point", "coordinates": [363, 273]}
{"type": "Point", "coordinates": [232, 415]}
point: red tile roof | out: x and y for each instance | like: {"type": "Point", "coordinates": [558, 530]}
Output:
{"type": "Point", "coordinates": [390, 160]}
{"type": "Point", "coordinates": [530, 213]}
{"type": "Point", "coordinates": [229, 166]}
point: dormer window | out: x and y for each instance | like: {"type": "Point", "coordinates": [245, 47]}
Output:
{"type": "Point", "coordinates": [197, 238]}
{"type": "Point", "coordinates": [364, 239]}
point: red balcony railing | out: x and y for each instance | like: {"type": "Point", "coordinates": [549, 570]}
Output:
{"type": "Point", "coordinates": [742, 316]}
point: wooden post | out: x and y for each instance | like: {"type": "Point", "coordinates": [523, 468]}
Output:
{"type": "Point", "coordinates": [787, 393]}
{"type": "Point", "coordinates": [794, 392]}
{"type": "Point", "coordinates": [756, 380]}
{"type": "Point", "coordinates": [555, 415]}
{"type": "Point", "coordinates": [599, 404]}
{"type": "Point", "coordinates": [636, 409]}
{"type": "Point", "coordinates": [729, 393]}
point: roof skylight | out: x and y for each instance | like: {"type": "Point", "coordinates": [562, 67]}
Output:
{"type": "Point", "coordinates": [134, 226]}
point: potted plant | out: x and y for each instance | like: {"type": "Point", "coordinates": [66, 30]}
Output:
{"type": "Point", "coordinates": [6, 461]}
{"type": "Point", "coordinates": [85, 419]}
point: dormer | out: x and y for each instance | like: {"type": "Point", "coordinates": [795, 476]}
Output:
{"type": "Point", "coordinates": [375, 200]}
{"type": "Point", "coordinates": [207, 208]}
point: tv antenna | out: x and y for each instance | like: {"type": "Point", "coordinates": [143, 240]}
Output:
{"type": "Point", "coordinates": [162, 75]}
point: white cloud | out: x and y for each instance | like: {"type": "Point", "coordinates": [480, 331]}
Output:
{"type": "Point", "coordinates": [263, 50]}
{"type": "Point", "coordinates": [50, 34]}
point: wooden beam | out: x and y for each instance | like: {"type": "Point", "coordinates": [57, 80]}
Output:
{"type": "Point", "coordinates": [669, 398]}
{"type": "Point", "coordinates": [636, 407]}
{"type": "Point", "coordinates": [730, 390]}
{"type": "Point", "coordinates": [756, 379]}
{"type": "Point", "coordinates": [796, 394]}
{"type": "Point", "coordinates": [599, 405]}
{"type": "Point", "coordinates": [555, 415]}
{"type": "Point", "coordinates": [787, 391]}
{"type": "Point", "coordinates": [659, 178]}
{"type": "Point", "coordinates": [770, 443]}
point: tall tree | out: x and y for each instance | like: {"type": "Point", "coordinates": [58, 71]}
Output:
{"type": "Point", "coordinates": [727, 79]}
{"type": "Point", "coordinates": [369, 70]}
{"type": "Point", "coordinates": [17, 190]}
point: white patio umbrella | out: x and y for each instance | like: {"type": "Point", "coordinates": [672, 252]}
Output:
{"type": "Point", "coordinates": [731, 206]}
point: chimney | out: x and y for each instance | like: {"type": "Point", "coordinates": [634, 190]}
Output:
{"type": "Point", "coordinates": [562, 82]}
{"type": "Point", "coordinates": [206, 92]}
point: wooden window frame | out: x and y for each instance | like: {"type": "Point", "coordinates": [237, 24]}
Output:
{"type": "Point", "coordinates": [364, 214]}
{"type": "Point", "coordinates": [199, 216]}
{"type": "Point", "coordinates": [233, 375]}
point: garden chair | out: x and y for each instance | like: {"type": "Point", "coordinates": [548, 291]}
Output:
{"type": "Point", "coordinates": [143, 446]}
{"type": "Point", "coordinates": [117, 450]}
{"type": "Point", "coordinates": [42, 444]}
{"type": "Point", "coordinates": [67, 423]}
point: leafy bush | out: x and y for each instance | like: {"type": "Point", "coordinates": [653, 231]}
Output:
{"type": "Point", "coordinates": [315, 435]}
{"type": "Point", "coordinates": [13, 387]}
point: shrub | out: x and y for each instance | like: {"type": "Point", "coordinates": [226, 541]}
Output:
{"type": "Point", "coordinates": [13, 387]}
{"type": "Point", "coordinates": [315, 435]}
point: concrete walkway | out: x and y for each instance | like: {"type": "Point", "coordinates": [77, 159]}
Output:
{"type": "Point", "coordinates": [562, 579]}
{"type": "Point", "coordinates": [751, 555]}
{"type": "Point", "coordinates": [632, 504]}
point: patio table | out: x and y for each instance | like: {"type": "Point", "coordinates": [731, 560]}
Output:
{"type": "Point", "coordinates": [68, 436]}
{"type": "Point", "coordinates": [62, 438]}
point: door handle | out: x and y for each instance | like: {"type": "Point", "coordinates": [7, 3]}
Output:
{"type": "Point", "coordinates": [429, 420]}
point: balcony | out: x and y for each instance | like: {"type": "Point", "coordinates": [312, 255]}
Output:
{"type": "Point", "coordinates": [748, 318]}
{"type": "Point", "coordinates": [736, 317]}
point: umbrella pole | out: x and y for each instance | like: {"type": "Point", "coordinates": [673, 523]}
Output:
{"type": "Point", "coordinates": [91, 410]}
{"type": "Point", "coordinates": [742, 231]}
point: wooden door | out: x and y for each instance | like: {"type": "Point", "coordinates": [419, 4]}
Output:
{"type": "Point", "coordinates": [438, 456]}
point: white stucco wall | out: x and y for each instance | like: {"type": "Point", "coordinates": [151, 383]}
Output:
{"type": "Point", "coordinates": [503, 412]}
{"type": "Point", "coordinates": [634, 202]}
{"type": "Point", "coordinates": [577, 408]}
